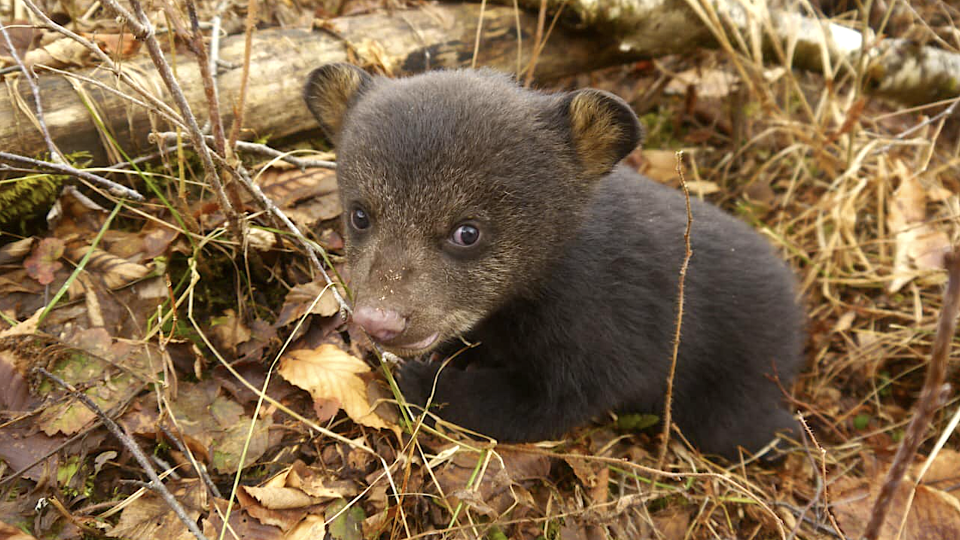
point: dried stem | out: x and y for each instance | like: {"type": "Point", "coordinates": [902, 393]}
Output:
{"type": "Point", "coordinates": [206, 75]}
{"type": "Point", "coordinates": [170, 138]}
{"type": "Point", "coordinates": [28, 74]}
{"type": "Point", "coordinates": [932, 397]}
{"type": "Point", "coordinates": [112, 187]}
{"type": "Point", "coordinates": [668, 400]}
{"type": "Point", "coordinates": [155, 483]}
{"type": "Point", "coordinates": [245, 73]}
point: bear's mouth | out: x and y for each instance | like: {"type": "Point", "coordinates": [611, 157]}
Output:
{"type": "Point", "coordinates": [415, 347]}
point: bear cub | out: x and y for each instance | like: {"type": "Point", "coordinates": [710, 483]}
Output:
{"type": "Point", "coordinates": [479, 211]}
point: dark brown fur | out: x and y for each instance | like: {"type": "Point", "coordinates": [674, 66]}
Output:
{"type": "Point", "coordinates": [571, 289]}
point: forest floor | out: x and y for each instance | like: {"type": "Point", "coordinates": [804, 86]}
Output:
{"type": "Point", "coordinates": [226, 362]}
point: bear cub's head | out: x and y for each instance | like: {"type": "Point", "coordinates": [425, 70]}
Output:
{"type": "Point", "coordinates": [459, 189]}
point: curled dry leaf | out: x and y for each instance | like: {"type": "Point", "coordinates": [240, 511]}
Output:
{"type": "Point", "coordinates": [15, 251]}
{"type": "Point", "coordinates": [229, 331]}
{"type": "Point", "coordinates": [919, 245]}
{"type": "Point", "coordinates": [61, 53]}
{"type": "Point", "coordinates": [300, 299]}
{"type": "Point", "coordinates": [44, 261]}
{"type": "Point", "coordinates": [123, 45]}
{"type": "Point", "coordinates": [330, 373]}
{"type": "Point", "coordinates": [115, 271]}
{"type": "Point", "coordinates": [280, 502]}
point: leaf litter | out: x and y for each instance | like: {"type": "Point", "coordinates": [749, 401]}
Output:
{"type": "Point", "coordinates": [165, 331]}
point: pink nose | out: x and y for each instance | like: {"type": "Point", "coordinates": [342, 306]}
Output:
{"type": "Point", "coordinates": [381, 324]}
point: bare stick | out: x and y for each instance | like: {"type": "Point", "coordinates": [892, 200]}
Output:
{"type": "Point", "coordinates": [155, 483]}
{"type": "Point", "coordinates": [169, 137]}
{"type": "Point", "coordinates": [245, 73]}
{"type": "Point", "coordinates": [668, 401]}
{"type": "Point", "coordinates": [112, 187]}
{"type": "Point", "coordinates": [932, 397]}
{"type": "Point", "coordinates": [537, 43]}
{"type": "Point", "coordinates": [29, 75]}
{"type": "Point", "coordinates": [209, 85]}
{"type": "Point", "coordinates": [201, 471]}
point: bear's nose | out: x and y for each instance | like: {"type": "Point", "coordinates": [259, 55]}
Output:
{"type": "Point", "coordinates": [381, 324]}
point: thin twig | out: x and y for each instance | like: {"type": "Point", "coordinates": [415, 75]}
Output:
{"type": "Point", "coordinates": [209, 85]}
{"type": "Point", "coordinates": [170, 137]}
{"type": "Point", "coordinates": [541, 21]}
{"type": "Point", "coordinates": [28, 74]}
{"type": "Point", "coordinates": [155, 484]}
{"type": "Point", "coordinates": [245, 73]}
{"type": "Point", "coordinates": [668, 400]}
{"type": "Point", "coordinates": [201, 470]}
{"type": "Point", "coordinates": [112, 187]}
{"type": "Point", "coordinates": [824, 484]}
{"type": "Point", "coordinates": [932, 397]}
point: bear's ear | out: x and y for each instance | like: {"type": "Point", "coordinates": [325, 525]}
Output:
{"type": "Point", "coordinates": [330, 91]}
{"type": "Point", "coordinates": [603, 129]}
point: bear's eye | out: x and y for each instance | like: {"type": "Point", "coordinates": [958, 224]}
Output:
{"type": "Point", "coordinates": [465, 235]}
{"type": "Point", "coordinates": [359, 219]}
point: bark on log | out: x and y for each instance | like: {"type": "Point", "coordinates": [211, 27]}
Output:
{"type": "Point", "coordinates": [895, 68]}
{"type": "Point", "coordinates": [406, 42]}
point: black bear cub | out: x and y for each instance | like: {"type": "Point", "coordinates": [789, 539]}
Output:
{"type": "Point", "coordinates": [477, 210]}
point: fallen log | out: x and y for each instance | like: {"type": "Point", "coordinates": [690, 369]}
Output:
{"type": "Point", "coordinates": [897, 69]}
{"type": "Point", "coordinates": [402, 42]}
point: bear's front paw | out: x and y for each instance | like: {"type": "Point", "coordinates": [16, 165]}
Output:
{"type": "Point", "coordinates": [416, 381]}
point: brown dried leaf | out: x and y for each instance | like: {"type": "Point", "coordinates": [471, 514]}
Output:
{"type": "Point", "coordinates": [933, 514]}
{"type": "Point", "coordinates": [44, 261]}
{"type": "Point", "coordinates": [240, 525]}
{"type": "Point", "coordinates": [15, 251]}
{"type": "Point", "coordinates": [22, 35]}
{"type": "Point", "coordinates": [150, 517]}
{"type": "Point", "coordinates": [919, 246]}
{"type": "Point", "coordinates": [300, 299]}
{"type": "Point", "coordinates": [61, 53]}
{"type": "Point", "coordinates": [307, 197]}
{"type": "Point", "coordinates": [330, 373]}
{"type": "Point", "coordinates": [944, 472]}
{"type": "Point", "coordinates": [91, 365]}
{"type": "Point", "coordinates": [290, 506]}
{"type": "Point", "coordinates": [229, 331]}
{"type": "Point", "coordinates": [115, 271]}
{"type": "Point", "coordinates": [310, 528]}
{"type": "Point", "coordinates": [504, 470]}
{"type": "Point", "coordinates": [124, 45]}
{"type": "Point", "coordinates": [660, 166]}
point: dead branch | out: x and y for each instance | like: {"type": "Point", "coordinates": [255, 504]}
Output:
{"type": "Point", "coordinates": [58, 168]}
{"type": "Point", "coordinates": [932, 397]}
{"type": "Point", "coordinates": [155, 484]}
